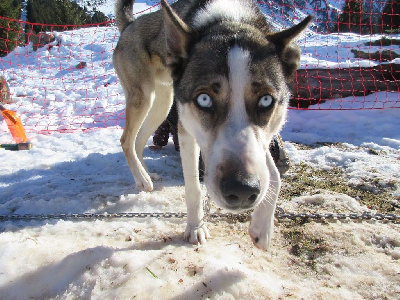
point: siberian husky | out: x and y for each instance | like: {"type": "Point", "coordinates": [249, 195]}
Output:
{"type": "Point", "coordinates": [230, 76]}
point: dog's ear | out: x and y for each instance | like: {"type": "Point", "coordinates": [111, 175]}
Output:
{"type": "Point", "coordinates": [288, 51]}
{"type": "Point", "coordinates": [177, 35]}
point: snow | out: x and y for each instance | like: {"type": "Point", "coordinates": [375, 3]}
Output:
{"type": "Point", "coordinates": [107, 7]}
{"type": "Point", "coordinates": [334, 50]}
{"type": "Point", "coordinates": [86, 172]}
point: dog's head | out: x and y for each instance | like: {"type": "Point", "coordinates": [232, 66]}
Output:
{"type": "Point", "coordinates": [231, 83]}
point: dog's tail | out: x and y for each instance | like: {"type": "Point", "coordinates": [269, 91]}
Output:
{"type": "Point", "coordinates": [124, 13]}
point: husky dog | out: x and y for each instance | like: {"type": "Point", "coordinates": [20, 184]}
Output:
{"type": "Point", "coordinates": [230, 77]}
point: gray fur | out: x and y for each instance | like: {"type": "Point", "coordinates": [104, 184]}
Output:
{"type": "Point", "coordinates": [124, 13]}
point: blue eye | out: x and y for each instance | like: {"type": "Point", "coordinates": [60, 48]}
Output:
{"type": "Point", "coordinates": [265, 101]}
{"type": "Point", "coordinates": [203, 100]}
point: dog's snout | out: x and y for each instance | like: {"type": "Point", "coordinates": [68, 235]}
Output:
{"type": "Point", "coordinates": [240, 193]}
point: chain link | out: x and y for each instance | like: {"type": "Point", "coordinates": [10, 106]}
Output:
{"type": "Point", "coordinates": [280, 214]}
{"type": "Point", "coordinates": [91, 216]}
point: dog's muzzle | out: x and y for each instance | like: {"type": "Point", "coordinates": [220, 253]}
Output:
{"type": "Point", "coordinates": [240, 193]}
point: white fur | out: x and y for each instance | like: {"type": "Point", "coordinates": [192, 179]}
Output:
{"type": "Point", "coordinates": [196, 230]}
{"type": "Point", "coordinates": [254, 151]}
{"type": "Point", "coordinates": [234, 10]}
{"type": "Point", "coordinates": [239, 76]}
{"type": "Point", "coordinates": [262, 219]}
{"type": "Point", "coordinates": [237, 136]}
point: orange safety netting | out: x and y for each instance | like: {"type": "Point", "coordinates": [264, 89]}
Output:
{"type": "Point", "coordinates": [61, 78]}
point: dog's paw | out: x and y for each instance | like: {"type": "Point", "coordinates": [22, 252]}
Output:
{"type": "Point", "coordinates": [197, 234]}
{"type": "Point", "coordinates": [261, 237]}
{"type": "Point", "coordinates": [143, 181]}
{"type": "Point", "coordinates": [155, 176]}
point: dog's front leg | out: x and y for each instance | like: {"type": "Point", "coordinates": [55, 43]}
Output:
{"type": "Point", "coordinates": [262, 220]}
{"type": "Point", "coordinates": [196, 230]}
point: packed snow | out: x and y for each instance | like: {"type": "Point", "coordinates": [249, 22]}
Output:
{"type": "Point", "coordinates": [70, 170]}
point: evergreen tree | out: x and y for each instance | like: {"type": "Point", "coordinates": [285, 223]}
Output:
{"type": "Point", "coordinates": [353, 18]}
{"type": "Point", "coordinates": [9, 30]}
{"type": "Point", "coordinates": [98, 17]}
{"type": "Point", "coordinates": [60, 12]}
{"type": "Point", "coordinates": [391, 17]}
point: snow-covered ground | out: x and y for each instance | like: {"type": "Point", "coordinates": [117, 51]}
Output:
{"type": "Point", "coordinates": [107, 6]}
{"type": "Point", "coordinates": [79, 172]}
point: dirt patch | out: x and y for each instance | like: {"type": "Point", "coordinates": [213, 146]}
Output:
{"type": "Point", "coordinates": [302, 179]}
{"type": "Point", "coordinates": [304, 247]}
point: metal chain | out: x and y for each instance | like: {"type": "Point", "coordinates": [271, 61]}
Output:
{"type": "Point", "coordinates": [384, 217]}
{"type": "Point", "coordinates": [90, 216]}
{"type": "Point", "coordinates": [280, 214]}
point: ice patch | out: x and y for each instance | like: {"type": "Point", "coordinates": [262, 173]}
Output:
{"type": "Point", "coordinates": [330, 201]}
{"type": "Point", "coordinates": [393, 143]}
{"type": "Point", "coordinates": [387, 244]}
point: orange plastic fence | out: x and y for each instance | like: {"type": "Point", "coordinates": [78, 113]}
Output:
{"type": "Point", "coordinates": [63, 79]}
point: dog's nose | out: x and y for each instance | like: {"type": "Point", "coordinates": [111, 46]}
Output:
{"type": "Point", "coordinates": [240, 193]}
